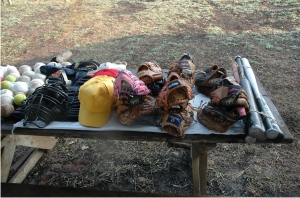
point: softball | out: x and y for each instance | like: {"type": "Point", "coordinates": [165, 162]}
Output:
{"type": "Point", "coordinates": [10, 78]}
{"type": "Point", "coordinates": [6, 92]}
{"type": "Point", "coordinates": [39, 76]}
{"type": "Point", "coordinates": [18, 99]}
{"type": "Point", "coordinates": [38, 65]}
{"type": "Point", "coordinates": [24, 79]}
{"type": "Point", "coordinates": [6, 84]}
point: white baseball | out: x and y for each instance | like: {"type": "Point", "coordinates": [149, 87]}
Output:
{"type": "Point", "coordinates": [11, 69]}
{"type": "Point", "coordinates": [6, 92]}
{"type": "Point", "coordinates": [39, 76]}
{"type": "Point", "coordinates": [7, 99]}
{"type": "Point", "coordinates": [3, 71]}
{"type": "Point", "coordinates": [38, 64]}
{"type": "Point", "coordinates": [35, 83]}
{"type": "Point", "coordinates": [24, 68]}
{"type": "Point", "coordinates": [20, 87]}
{"type": "Point", "coordinates": [24, 79]}
{"type": "Point", "coordinates": [7, 110]}
{"type": "Point", "coordinates": [28, 73]}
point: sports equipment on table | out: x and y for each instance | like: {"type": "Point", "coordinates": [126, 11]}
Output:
{"type": "Point", "coordinates": [149, 72]}
{"type": "Point", "coordinates": [207, 78]}
{"type": "Point", "coordinates": [228, 94]}
{"type": "Point", "coordinates": [152, 75]}
{"type": "Point", "coordinates": [6, 84]}
{"type": "Point", "coordinates": [10, 78]}
{"type": "Point", "coordinates": [185, 68]}
{"type": "Point", "coordinates": [128, 83]}
{"type": "Point", "coordinates": [18, 99]}
{"type": "Point", "coordinates": [176, 123]}
{"type": "Point", "coordinates": [7, 110]}
{"type": "Point", "coordinates": [217, 119]}
{"type": "Point", "coordinates": [175, 94]}
{"type": "Point", "coordinates": [24, 68]}
{"type": "Point", "coordinates": [254, 125]}
{"type": "Point", "coordinates": [45, 104]}
{"type": "Point", "coordinates": [272, 129]}
{"type": "Point", "coordinates": [130, 107]}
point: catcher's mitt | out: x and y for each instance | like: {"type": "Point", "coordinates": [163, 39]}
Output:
{"type": "Point", "coordinates": [218, 119]}
{"type": "Point", "coordinates": [149, 72]}
{"type": "Point", "coordinates": [185, 68]}
{"type": "Point", "coordinates": [128, 83]}
{"type": "Point", "coordinates": [228, 94]}
{"type": "Point", "coordinates": [206, 79]}
{"type": "Point", "coordinates": [175, 94]}
{"type": "Point", "coordinates": [177, 123]}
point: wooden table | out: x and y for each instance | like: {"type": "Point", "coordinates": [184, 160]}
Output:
{"type": "Point", "coordinates": [44, 139]}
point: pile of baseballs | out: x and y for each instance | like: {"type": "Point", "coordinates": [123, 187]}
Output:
{"type": "Point", "coordinates": [17, 83]}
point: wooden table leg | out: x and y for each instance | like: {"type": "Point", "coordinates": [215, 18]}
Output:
{"type": "Point", "coordinates": [9, 144]}
{"type": "Point", "coordinates": [199, 166]}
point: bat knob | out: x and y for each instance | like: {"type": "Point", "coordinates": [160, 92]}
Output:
{"type": "Point", "coordinates": [271, 133]}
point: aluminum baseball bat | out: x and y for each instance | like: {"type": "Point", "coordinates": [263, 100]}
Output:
{"type": "Point", "coordinates": [278, 135]}
{"type": "Point", "coordinates": [254, 124]}
{"type": "Point", "coordinates": [258, 99]}
{"type": "Point", "coordinates": [271, 132]}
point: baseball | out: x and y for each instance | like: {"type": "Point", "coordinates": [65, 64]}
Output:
{"type": "Point", "coordinates": [39, 76]}
{"type": "Point", "coordinates": [30, 91]}
{"type": "Point", "coordinates": [10, 78]}
{"type": "Point", "coordinates": [11, 69]}
{"type": "Point", "coordinates": [18, 99]}
{"type": "Point", "coordinates": [7, 110]}
{"type": "Point", "coordinates": [20, 87]}
{"type": "Point", "coordinates": [3, 71]}
{"type": "Point", "coordinates": [35, 83]}
{"type": "Point", "coordinates": [28, 73]}
{"type": "Point", "coordinates": [7, 99]}
{"type": "Point", "coordinates": [38, 65]}
{"type": "Point", "coordinates": [24, 68]}
{"type": "Point", "coordinates": [6, 92]}
{"type": "Point", "coordinates": [37, 69]}
{"type": "Point", "coordinates": [24, 79]}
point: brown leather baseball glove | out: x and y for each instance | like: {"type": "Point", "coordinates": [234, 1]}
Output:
{"type": "Point", "coordinates": [228, 94]}
{"type": "Point", "coordinates": [177, 123]}
{"type": "Point", "coordinates": [175, 94]}
{"type": "Point", "coordinates": [149, 72]}
{"type": "Point", "coordinates": [130, 107]}
{"type": "Point", "coordinates": [185, 68]}
{"type": "Point", "coordinates": [207, 78]}
{"type": "Point", "coordinates": [218, 119]}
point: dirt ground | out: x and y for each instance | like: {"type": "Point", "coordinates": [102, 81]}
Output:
{"type": "Point", "coordinates": [265, 32]}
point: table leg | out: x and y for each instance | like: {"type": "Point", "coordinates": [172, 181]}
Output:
{"type": "Point", "coordinates": [9, 145]}
{"type": "Point", "coordinates": [199, 166]}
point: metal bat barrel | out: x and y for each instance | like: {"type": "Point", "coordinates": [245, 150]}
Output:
{"type": "Point", "coordinates": [254, 123]}
{"type": "Point", "coordinates": [271, 131]}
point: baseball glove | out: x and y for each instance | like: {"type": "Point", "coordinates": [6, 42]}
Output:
{"type": "Point", "coordinates": [129, 107]}
{"type": "Point", "coordinates": [128, 83]}
{"type": "Point", "coordinates": [218, 119]}
{"type": "Point", "coordinates": [177, 123]}
{"type": "Point", "coordinates": [228, 94]}
{"type": "Point", "coordinates": [175, 94]}
{"type": "Point", "coordinates": [149, 72]}
{"type": "Point", "coordinates": [206, 79]}
{"type": "Point", "coordinates": [185, 68]}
